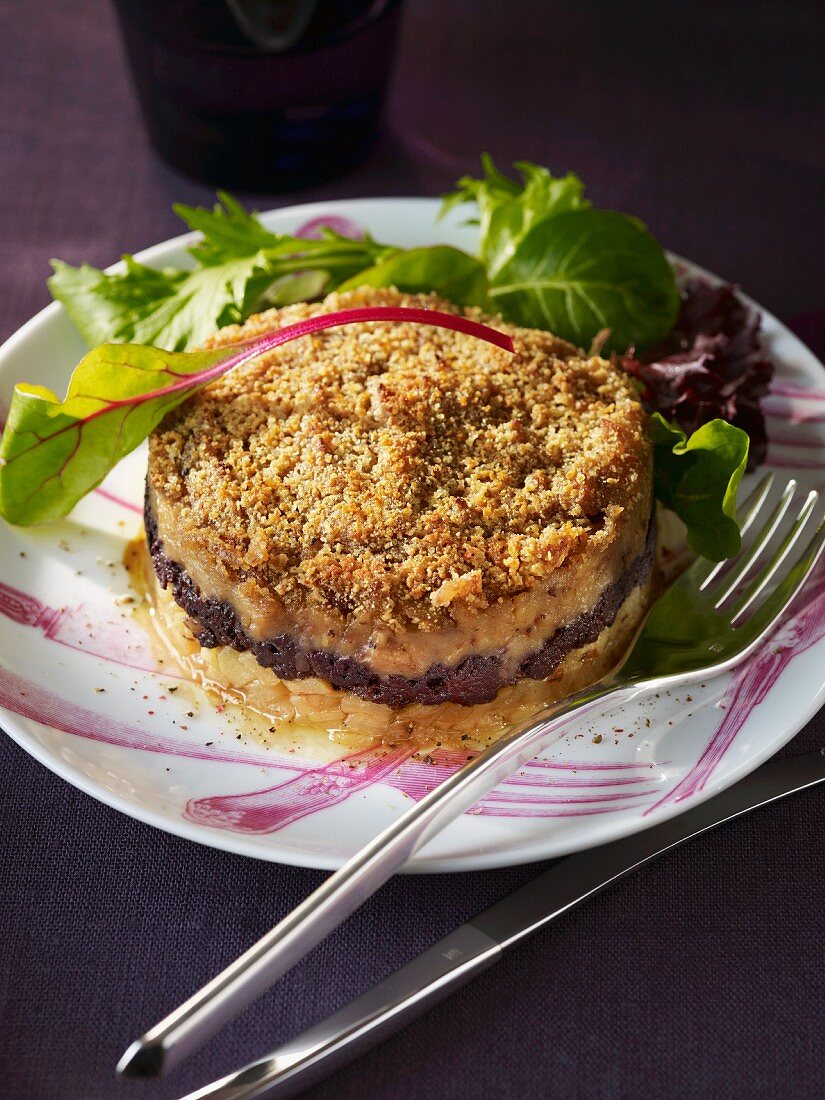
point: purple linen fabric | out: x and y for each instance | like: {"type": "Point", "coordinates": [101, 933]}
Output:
{"type": "Point", "coordinates": [701, 976]}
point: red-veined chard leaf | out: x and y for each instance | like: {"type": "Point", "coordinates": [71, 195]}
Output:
{"type": "Point", "coordinates": [54, 452]}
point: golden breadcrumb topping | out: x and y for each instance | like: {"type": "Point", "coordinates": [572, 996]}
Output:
{"type": "Point", "coordinates": [396, 470]}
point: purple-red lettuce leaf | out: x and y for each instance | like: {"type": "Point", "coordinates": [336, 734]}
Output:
{"type": "Point", "coordinates": [712, 365]}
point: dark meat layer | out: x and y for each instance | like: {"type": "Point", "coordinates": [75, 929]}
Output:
{"type": "Point", "coordinates": [476, 679]}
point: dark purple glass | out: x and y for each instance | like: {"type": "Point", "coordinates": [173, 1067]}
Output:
{"type": "Point", "coordinates": [232, 113]}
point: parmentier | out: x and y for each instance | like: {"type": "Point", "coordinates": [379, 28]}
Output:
{"type": "Point", "coordinates": [377, 483]}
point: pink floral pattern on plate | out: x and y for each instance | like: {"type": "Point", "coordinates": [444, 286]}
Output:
{"type": "Point", "coordinates": [537, 791]}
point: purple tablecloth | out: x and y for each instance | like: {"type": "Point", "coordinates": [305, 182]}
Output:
{"type": "Point", "coordinates": [700, 976]}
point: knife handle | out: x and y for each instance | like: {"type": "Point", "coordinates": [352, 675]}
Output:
{"type": "Point", "coordinates": [454, 960]}
{"type": "Point", "coordinates": [386, 1008]}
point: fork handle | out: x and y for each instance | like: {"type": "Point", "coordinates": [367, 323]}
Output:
{"type": "Point", "coordinates": [205, 1012]}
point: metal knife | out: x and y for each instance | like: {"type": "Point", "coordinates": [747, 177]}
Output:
{"type": "Point", "coordinates": [471, 948]}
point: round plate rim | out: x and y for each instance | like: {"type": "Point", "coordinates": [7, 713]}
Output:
{"type": "Point", "coordinates": [236, 843]}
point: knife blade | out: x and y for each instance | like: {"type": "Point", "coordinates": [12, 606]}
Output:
{"type": "Point", "coordinates": [474, 946]}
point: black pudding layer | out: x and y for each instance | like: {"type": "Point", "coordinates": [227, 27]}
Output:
{"type": "Point", "coordinates": [476, 679]}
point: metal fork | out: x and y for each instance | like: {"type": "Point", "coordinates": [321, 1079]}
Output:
{"type": "Point", "coordinates": [707, 622]}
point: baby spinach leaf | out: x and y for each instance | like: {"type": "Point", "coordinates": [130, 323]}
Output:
{"type": "Point", "coordinates": [698, 478]}
{"type": "Point", "coordinates": [583, 271]}
{"type": "Point", "coordinates": [507, 209]}
{"type": "Point", "coordinates": [437, 270]}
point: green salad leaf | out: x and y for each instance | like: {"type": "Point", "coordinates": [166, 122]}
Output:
{"type": "Point", "coordinates": [584, 271]}
{"type": "Point", "coordinates": [236, 266]}
{"type": "Point", "coordinates": [547, 259]}
{"type": "Point", "coordinates": [436, 270]}
{"type": "Point", "coordinates": [104, 306]}
{"type": "Point", "coordinates": [301, 267]}
{"type": "Point", "coordinates": [554, 262]}
{"type": "Point", "coordinates": [53, 452]}
{"type": "Point", "coordinates": [172, 310]}
{"type": "Point", "coordinates": [228, 231]}
{"type": "Point", "coordinates": [697, 478]}
{"type": "Point", "coordinates": [507, 210]}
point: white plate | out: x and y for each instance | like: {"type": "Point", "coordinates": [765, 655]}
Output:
{"type": "Point", "coordinates": [79, 694]}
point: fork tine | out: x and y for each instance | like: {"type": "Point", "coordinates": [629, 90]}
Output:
{"type": "Point", "coordinates": [746, 561]}
{"type": "Point", "coordinates": [785, 548]}
{"type": "Point", "coordinates": [750, 508]}
{"type": "Point", "coordinates": [763, 620]}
